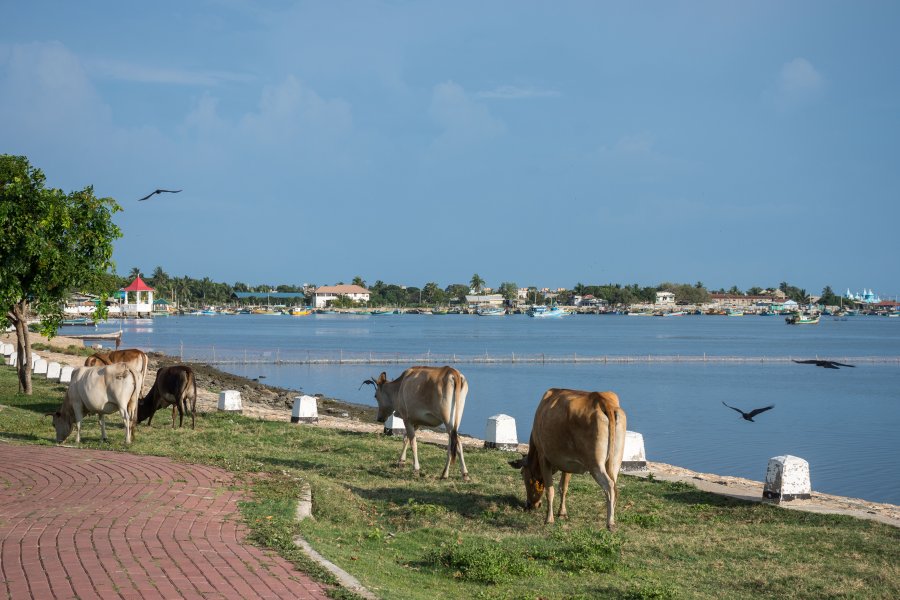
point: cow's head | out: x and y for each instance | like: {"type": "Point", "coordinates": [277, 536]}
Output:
{"type": "Point", "coordinates": [534, 485]}
{"type": "Point", "coordinates": [96, 360]}
{"type": "Point", "coordinates": [147, 407]}
{"type": "Point", "coordinates": [385, 401]}
{"type": "Point", "coordinates": [63, 425]}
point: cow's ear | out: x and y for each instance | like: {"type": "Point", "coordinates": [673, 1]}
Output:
{"type": "Point", "coordinates": [517, 464]}
{"type": "Point", "coordinates": [382, 378]}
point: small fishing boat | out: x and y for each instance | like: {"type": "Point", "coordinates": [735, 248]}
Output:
{"type": "Point", "coordinates": [539, 311]}
{"type": "Point", "coordinates": [300, 311]}
{"type": "Point", "coordinates": [802, 319]}
{"type": "Point", "coordinates": [491, 311]}
{"type": "Point", "coordinates": [81, 321]}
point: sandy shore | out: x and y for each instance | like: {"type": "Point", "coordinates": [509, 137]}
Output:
{"type": "Point", "coordinates": [264, 402]}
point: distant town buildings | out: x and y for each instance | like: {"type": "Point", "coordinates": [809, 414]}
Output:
{"type": "Point", "coordinates": [326, 293]}
{"type": "Point", "coordinates": [866, 296]}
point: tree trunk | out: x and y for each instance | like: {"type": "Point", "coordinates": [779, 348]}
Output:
{"type": "Point", "coordinates": [23, 347]}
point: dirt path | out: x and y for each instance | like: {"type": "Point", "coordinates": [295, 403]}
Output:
{"type": "Point", "coordinates": [271, 403]}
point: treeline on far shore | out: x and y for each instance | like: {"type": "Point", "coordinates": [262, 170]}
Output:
{"type": "Point", "coordinates": [186, 290]}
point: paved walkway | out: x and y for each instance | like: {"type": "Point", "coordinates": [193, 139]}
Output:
{"type": "Point", "coordinates": [93, 524]}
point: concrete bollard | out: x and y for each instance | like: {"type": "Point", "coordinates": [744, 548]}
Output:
{"type": "Point", "coordinates": [305, 410]}
{"type": "Point", "coordinates": [394, 425]}
{"type": "Point", "coordinates": [634, 458]}
{"type": "Point", "coordinates": [65, 374]}
{"type": "Point", "coordinates": [787, 478]}
{"type": "Point", "coordinates": [39, 367]}
{"type": "Point", "coordinates": [53, 370]}
{"type": "Point", "coordinates": [230, 401]}
{"type": "Point", "coordinates": [500, 433]}
{"type": "Point", "coordinates": [12, 360]}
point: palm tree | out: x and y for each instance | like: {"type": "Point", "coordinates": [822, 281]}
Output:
{"type": "Point", "coordinates": [134, 273]}
{"type": "Point", "coordinates": [477, 283]}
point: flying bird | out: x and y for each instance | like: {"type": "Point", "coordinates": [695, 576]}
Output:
{"type": "Point", "coordinates": [828, 364]}
{"type": "Point", "coordinates": [749, 416]}
{"type": "Point", "coordinates": [159, 192]}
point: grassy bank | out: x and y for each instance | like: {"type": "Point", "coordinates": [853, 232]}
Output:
{"type": "Point", "coordinates": [405, 537]}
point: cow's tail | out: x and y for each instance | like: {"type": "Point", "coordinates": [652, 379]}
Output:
{"type": "Point", "coordinates": [617, 432]}
{"type": "Point", "coordinates": [133, 401]}
{"type": "Point", "coordinates": [456, 411]}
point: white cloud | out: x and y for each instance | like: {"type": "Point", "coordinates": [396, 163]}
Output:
{"type": "Point", "coordinates": [290, 109]}
{"type": "Point", "coordinates": [126, 71]}
{"type": "Point", "coordinates": [511, 92]}
{"type": "Point", "coordinates": [798, 83]}
{"type": "Point", "coordinates": [462, 119]}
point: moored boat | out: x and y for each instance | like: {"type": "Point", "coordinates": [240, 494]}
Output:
{"type": "Point", "coordinates": [540, 311]}
{"type": "Point", "coordinates": [802, 319]}
{"type": "Point", "coordinates": [491, 311]}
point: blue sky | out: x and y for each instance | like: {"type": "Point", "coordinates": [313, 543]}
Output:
{"type": "Point", "coordinates": [547, 144]}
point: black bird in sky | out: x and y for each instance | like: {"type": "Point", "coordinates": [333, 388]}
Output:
{"type": "Point", "coordinates": [749, 416]}
{"type": "Point", "coordinates": [828, 364]}
{"type": "Point", "coordinates": [159, 192]}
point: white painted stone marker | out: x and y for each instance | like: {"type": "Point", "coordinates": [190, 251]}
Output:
{"type": "Point", "coordinates": [13, 359]}
{"type": "Point", "coordinates": [39, 367]}
{"type": "Point", "coordinates": [6, 349]}
{"type": "Point", "coordinates": [394, 425]}
{"type": "Point", "coordinates": [500, 433]}
{"type": "Point", "coordinates": [65, 374]}
{"type": "Point", "coordinates": [634, 458]}
{"type": "Point", "coordinates": [787, 478]}
{"type": "Point", "coordinates": [305, 410]}
{"type": "Point", "coordinates": [53, 370]}
{"type": "Point", "coordinates": [230, 401]}
{"type": "Point", "coordinates": [34, 359]}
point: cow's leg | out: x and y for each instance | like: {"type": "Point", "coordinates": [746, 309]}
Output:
{"type": "Point", "coordinates": [78, 431]}
{"type": "Point", "coordinates": [547, 476]}
{"type": "Point", "coordinates": [563, 492]}
{"type": "Point", "coordinates": [609, 487]}
{"type": "Point", "coordinates": [182, 407]}
{"type": "Point", "coordinates": [173, 416]}
{"type": "Point", "coordinates": [402, 460]}
{"type": "Point", "coordinates": [415, 449]}
{"type": "Point", "coordinates": [462, 460]}
{"type": "Point", "coordinates": [103, 427]}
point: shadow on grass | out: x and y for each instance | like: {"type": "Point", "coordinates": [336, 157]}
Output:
{"type": "Point", "coordinates": [467, 503]}
{"type": "Point", "coordinates": [27, 437]}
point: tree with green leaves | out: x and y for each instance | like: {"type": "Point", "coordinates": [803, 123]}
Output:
{"type": "Point", "coordinates": [52, 244]}
{"type": "Point", "coordinates": [510, 291]}
{"type": "Point", "coordinates": [476, 283]}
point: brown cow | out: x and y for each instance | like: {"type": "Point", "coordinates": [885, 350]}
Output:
{"type": "Point", "coordinates": [425, 396]}
{"type": "Point", "coordinates": [134, 358]}
{"type": "Point", "coordinates": [173, 386]}
{"type": "Point", "coordinates": [574, 432]}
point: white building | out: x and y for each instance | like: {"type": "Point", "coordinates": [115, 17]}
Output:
{"type": "Point", "coordinates": [326, 293]}
{"type": "Point", "coordinates": [665, 298]}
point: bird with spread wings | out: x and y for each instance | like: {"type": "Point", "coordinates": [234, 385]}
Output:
{"type": "Point", "coordinates": [748, 416]}
{"type": "Point", "coordinates": [827, 364]}
{"type": "Point", "coordinates": [158, 192]}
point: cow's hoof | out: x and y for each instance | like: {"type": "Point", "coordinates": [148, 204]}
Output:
{"type": "Point", "coordinates": [466, 477]}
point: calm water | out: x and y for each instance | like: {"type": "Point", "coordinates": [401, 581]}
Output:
{"type": "Point", "coordinates": [844, 422]}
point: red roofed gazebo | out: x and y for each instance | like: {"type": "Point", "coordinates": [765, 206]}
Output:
{"type": "Point", "coordinates": [143, 297]}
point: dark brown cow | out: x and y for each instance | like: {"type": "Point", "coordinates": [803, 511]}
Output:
{"type": "Point", "coordinates": [574, 432]}
{"type": "Point", "coordinates": [134, 358]}
{"type": "Point", "coordinates": [173, 386]}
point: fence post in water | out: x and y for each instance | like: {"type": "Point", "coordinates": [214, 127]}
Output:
{"type": "Point", "coordinates": [305, 410]}
{"type": "Point", "coordinates": [634, 458]}
{"type": "Point", "coordinates": [230, 401]}
{"type": "Point", "coordinates": [500, 433]}
{"type": "Point", "coordinates": [787, 478]}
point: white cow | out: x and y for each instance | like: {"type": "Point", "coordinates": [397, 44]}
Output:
{"type": "Point", "coordinates": [98, 391]}
{"type": "Point", "coordinates": [425, 396]}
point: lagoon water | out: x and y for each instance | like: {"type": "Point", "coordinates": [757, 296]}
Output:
{"type": "Point", "coordinates": [844, 422]}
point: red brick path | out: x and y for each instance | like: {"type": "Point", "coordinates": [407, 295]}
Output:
{"type": "Point", "coordinates": [92, 524]}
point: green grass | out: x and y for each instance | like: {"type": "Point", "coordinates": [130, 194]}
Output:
{"type": "Point", "coordinates": [407, 537]}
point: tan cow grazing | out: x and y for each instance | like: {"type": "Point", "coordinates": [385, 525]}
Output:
{"type": "Point", "coordinates": [174, 386]}
{"type": "Point", "coordinates": [425, 396]}
{"type": "Point", "coordinates": [98, 391]}
{"type": "Point", "coordinates": [133, 357]}
{"type": "Point", "coordinates": [574, 432]}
